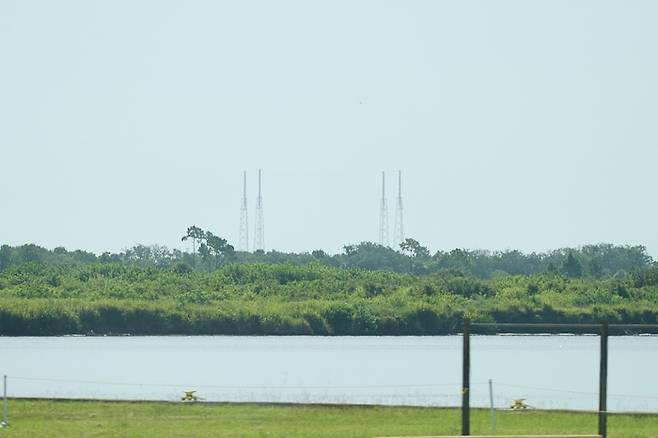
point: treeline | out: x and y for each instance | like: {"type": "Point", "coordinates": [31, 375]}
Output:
{"type": "Point", "coordinates": [47, 298]}
{"type": "Point", "coordinates": [212, 252]}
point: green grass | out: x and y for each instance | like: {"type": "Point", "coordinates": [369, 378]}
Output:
{"type": "Point", "coordinates": [47, 418]}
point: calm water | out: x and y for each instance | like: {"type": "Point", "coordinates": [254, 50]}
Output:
{"type": "Point", "coordinates": [549, 371]}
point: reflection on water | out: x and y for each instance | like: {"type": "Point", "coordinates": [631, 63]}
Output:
{"type": "Point", "coordinates": [549, 371]}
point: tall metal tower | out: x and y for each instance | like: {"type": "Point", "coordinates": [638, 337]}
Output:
{"type": "Point", "coordinates": [259, 239]}
{"type": "Point", "coordinates": [243, 244]}
{"type": "Point", "coordinates": [398, 234]}
{"type": "Point", "coordinates": [383, 215]}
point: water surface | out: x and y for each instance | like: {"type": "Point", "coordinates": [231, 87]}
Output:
{"type": "Point", "coordinates": [549, 371]}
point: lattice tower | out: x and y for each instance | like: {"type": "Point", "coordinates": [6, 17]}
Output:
{"type": "Point", "coordinates": [398, 234]}
{"type": "Point", "coordinates": [243, 243]}
{"type": "Point", "coordinates": [259, 239]}
{"type": "Point", "coordinates": [383, 215]}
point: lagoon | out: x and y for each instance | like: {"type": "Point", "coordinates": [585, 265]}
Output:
{"type": "Point", "coordinates": [550, 372]}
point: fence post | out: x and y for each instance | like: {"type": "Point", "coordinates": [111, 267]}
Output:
{"type": "Point", "coordinates": [5, 418]}
{"type": "Point", "coordinates": [466, 377]}
{"type": "Point", "coordinates": [603, 382]}
{"type": "Point", "coordinates": [493, 409]}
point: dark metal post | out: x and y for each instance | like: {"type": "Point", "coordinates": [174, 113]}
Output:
{"type": "Point", "coordinates": [466, 377]}
{"type": "Point", "coordinates": [5, 415]}
{"type": "Point", "coordinates": [603, 382]}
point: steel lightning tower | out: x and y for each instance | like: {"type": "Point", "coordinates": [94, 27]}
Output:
{"type": "Point", "coordinates": [243, 243]}
{"type": "Point", "coordinates": [383, 215]}
{"type": "Point", "coordinates": [398, 235]}
{"type": "Point", "coordinates": [259, 239]}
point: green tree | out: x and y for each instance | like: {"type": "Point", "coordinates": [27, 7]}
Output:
{"type": "Point", "coordinates": [414, 249]}
{"type": "Point", "coordinates": [195, 234]}
{"type": "Point", "coordinates": [416, 252]}
{"type": "Point", "coordinates": [572, 267]}
{"type": "Point", "coordinates": [5, 257]}
{"type": "Point", "coordinates": [216, 249]}
{"type": "Point", "coordinates": [372, 256]}
{"type": "Point", "coordinates": [349, 249]}
{"type": "Point", "coordinates": [181, 268]}
{"type": "Point", "coordinates": [319, 254]}
{"type": "Point", "coordinates": [594, 268]}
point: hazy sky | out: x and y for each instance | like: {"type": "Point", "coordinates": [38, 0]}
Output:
{"type": "Point", "coordinates": [517, 124]}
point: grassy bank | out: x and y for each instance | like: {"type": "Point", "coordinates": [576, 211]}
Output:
{"type": "Point", "coordinates": [357, 317]}
{"type": "Point", "coordinates": [145, 419]}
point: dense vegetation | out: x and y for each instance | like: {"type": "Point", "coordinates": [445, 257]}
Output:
{"type": "Point", "coordinates": [46, 292]}
{"type": "Point", "coordinates": [211, 252]}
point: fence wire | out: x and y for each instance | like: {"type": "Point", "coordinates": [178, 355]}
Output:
{"type": "Point", "coordinates": [416, 394]}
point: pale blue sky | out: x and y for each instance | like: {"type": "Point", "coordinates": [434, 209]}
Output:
{"type": "Point", "coordinates": [517, 124]}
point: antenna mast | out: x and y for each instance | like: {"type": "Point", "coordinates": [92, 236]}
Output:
{"type": "Point", "coordinates": [259, 241]}
{"type": "Point", "coordinates": [243, 244]}
{"type": "Point", "coordinates": [398, 235]}
{"type": "Point", "coordinates": [383, 215]}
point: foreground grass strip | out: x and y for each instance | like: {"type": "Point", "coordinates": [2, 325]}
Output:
{"type": "Point", "coordinates": [35, 418]}
{"type": "Point", "coordinates": [503, 436]}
